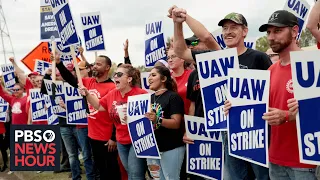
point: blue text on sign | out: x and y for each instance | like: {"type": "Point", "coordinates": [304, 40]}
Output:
{"type": "Point", "coordinates": [249, 88]}
{"type": "Point", "coordinates": [214, 70]}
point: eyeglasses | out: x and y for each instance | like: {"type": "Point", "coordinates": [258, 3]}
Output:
{"type": "Point", "coordinates": [272, 55]}
{"type": "Point", "coordinates": [171, 57]}
{"type": "Point", "coordinates": [118, 74]}
{"type": "Point", "coordinates": [194, 43]}
{"type": "Point", "coordinates": [15, 90]}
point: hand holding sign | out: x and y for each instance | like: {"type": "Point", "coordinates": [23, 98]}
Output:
{"type": "Point", "coordinates": [275, 116]}
{"type": "Point", "coordinates": [293, 106]}
{"type": "Point", "coordinates": [151, 116]}
{"type": "Point", "coordinates": [11, 59]}
{"type": "Point", "coordinates": [49, 71]}
{"type": "Point", "coordinates": [187, 140]}
{"type": "Point", "coordinates": [227, 107]}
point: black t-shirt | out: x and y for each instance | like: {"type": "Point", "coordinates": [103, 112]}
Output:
{"type": "Point", "coordinates": [251, 59]}
{"type": "Point", "coordinates": [165, 105]}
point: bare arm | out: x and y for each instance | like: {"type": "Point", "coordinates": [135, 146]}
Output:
{"type": "Point", "coordinates": [173, 123]}
{"type": "Point", "coordinates": [202, 33]}
{"type": "Point", "coordinates": [314, 19]}
{"type": "Point", "coordinates": [83, 58]}
{"type": "Point", "coordinates": [192, 109]}
{"type": "Point", "coordinates": [19, 71]}
{"type": "Point", "coordinates": [93, 100]}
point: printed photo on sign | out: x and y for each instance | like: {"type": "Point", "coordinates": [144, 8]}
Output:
{"type": "Point", "coordinates": [76, 109]}
{"type": "Point", "coordinates": [35, 148]}
{"type": "Point", "coordinates": [48, 26]}
{"type": "Point", "coordinates": [205, 157]}
{"type": "Point", "coordinates": [299, 8]}
{"type": "Point", "coordinates": [92, 31]}
{"type": "Point", "coordinates": [52, 118]}
{"type": "Point", "coordinates": [140, 128]}
{"type": "Point", "coordinates": [4, 106]}
{"type": "Point", "coordinates": [41, 66]}
{"type": "Point", "coordinates": [155, 48]}
{"type": "Point", "coordinates": [305, 67]}
{"type": "Point", "coordinates": [213, 71]}
{"type": "Point", "coordinates": [248, 93]}
{"type": "Point", "coordinates": [249, 42]}
{"type": "Point", "coordinates": [56, 108]}
{"type": "Point", "coordinates": [38, 110]}
{"type": "Point", "coordinates": [144, 82]}
{"type": "Point", "coordinates": [65, 52]}
{"type": "Point", "coordinates": [66, 26]}
{"type": "Point", "coordinates": [8, 75]}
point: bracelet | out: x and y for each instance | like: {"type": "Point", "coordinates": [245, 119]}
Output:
{"type": "Point", "coordinates": [287, 116]}
{"type": "Point", "coordinates": [159, 121]}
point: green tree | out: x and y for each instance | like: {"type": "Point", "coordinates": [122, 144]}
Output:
{"type": "Point", "coordinates": [306, 39]}
{"type": "Point", "coordinates": [262, 44]}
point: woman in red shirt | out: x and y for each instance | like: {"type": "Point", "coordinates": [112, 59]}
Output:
{"type": "Point", "coordinates": [18, 104]}
{"type": "Point", "coordinates": [181, 75]}
{"type": "Point", "coordinates": [127, 81]}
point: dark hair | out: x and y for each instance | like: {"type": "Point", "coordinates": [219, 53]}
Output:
{"type": "Point", "coordinates": [108, 61]}
{"type": "Point", "coordinates": [134, 73]}
{"type": "Point", "coordinates": [170, 84]}
{"type": "Point", "coordinates": [119, 64]}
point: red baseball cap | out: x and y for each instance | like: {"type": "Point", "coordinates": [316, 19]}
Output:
{"type": "Point", "coordinates": [33, 74]}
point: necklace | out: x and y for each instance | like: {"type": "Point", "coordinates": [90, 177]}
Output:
{"type": "Point", "coordinates": [154, 98]}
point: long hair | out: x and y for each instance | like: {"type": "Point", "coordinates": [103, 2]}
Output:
{"type": "Point", "coordinates": [164, 72]}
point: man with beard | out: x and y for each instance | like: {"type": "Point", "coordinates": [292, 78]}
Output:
{"type": "Point", "coordinates": [282, 30]}
{"type": "Point", "coordinates": [100, 128]}
{"type": "Point", "coordinates": [234, 30]}
{"type": "Point", "coordinates": [314, 22]}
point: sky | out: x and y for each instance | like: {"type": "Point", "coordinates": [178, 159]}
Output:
{"type": "Point", "coordinates": [122, 19]}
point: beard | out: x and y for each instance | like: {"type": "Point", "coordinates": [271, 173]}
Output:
{"type": "Point", "coordinates": [278, 46]}
{"type": "Point", "coordinates": [96, 73]}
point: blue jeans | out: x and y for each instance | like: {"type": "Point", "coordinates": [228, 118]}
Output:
{"type": "Point", "coordinates": [69, 137]}
{"type": "Point", "coordinates": [238, 169]}
{"type": "Point", "coordinates": [86, 152]}
{"type": "Point", "coordinates": [286, 173]}
{"type": "Point", "coordinates": [135, 167]}
{"type": "Point", "coordinates": [169, 166]}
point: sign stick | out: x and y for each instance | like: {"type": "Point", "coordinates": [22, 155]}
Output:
{"type": "Point", "coordinates": [53, 75]}
{"type": "Point", "coordinates": [76, 67]}
{"type": "Point", "coordinates": [95, 54]}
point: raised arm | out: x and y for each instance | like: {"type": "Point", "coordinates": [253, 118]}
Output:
{"type": "Point", "coordinates": [83, 58]}
{"type": "Point", "coordinates": [314, 20]}
{"type": "Point", "coordinates": [5, 95]}
{"type": "Point", "coordinates": [93, 100]}
{"type": "Point", "coordinates": [179, 44]}
{"type": "Point", "coordinates": [20, 73]}
{"type": "Point", "coordinates": [65, 73]}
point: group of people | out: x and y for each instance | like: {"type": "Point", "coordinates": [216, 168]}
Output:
{"type": "Point", "coordinates": [105, 142]}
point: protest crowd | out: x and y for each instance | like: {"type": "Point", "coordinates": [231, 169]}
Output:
{"type": "Point", "coordinates": [112, 149]}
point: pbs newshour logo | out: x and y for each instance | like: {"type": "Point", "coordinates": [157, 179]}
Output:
{"type": "Point", "coordinates": [35, 148]}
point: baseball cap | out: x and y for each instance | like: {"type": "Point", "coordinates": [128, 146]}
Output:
{"type": "Point", "coordinates": [191, 39]}
{"type": "Point", "coordinates": [33, 74]}
{"type": "Point", "coordinates": [83, 65]}
{"type": "Point", "coordinates": [234, 17]}
{"type": "Point", "coordinates": [280, 18]}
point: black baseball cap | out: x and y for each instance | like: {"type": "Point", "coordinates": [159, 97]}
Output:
{"type": "Point", "coordinates": [191, 39]}
{"type": "Point", "coordinates": [280, 18]}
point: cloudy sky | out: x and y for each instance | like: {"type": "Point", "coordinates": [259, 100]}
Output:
{"type": "Point", "coordinates": [126, 19]}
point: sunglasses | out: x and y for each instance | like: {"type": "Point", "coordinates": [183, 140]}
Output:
{"type": "Point", "coordinates": [118, 74]}
{"type": "Point", "coordinates": [272, 55]}
{"type": "Point", "coordinates": [15, 90]}
{"type": "Point", "coordinates": [194, 43]}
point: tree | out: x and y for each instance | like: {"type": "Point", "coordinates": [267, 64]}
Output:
{"type": "Point", "coordinates": [262, 44]}
{"type": "Point", "coordinates": [306, 39]}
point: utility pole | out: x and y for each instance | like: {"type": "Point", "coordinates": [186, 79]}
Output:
{"type": "Point", "coordinates": [6, 48]}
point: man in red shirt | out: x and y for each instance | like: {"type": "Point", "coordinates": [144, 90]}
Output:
{"type": "Point", "coordinates": [314, 22]}
{"type": "Point", "coordinates": [100, 127]}
{"type": "Point", "coordinates": [282, 30]}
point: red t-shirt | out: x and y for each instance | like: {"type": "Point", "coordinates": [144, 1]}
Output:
{"type": "Point", "coordinates": [109, 102]}
{"type": "Point", "coordinates": [18, 105]}
{"type": "Point", "coordinates": [99, 125]}
{"type": "Point", "coordinates": [182, 82]}
{"type": "Point", "coordinates": [284, 140]}
{"type": "Point", "coordinates": [2, 128]}
{"type": "Point", "coordinates": [318, 44]}
{"type": "Point", "coordinates": [28, 86]}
